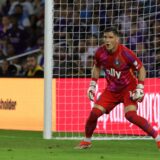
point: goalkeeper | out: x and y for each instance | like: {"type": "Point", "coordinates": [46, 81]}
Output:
{"type": "Point", "coordinates": [119, 64]}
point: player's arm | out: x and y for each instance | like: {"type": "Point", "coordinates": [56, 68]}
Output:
{"type": "Point", "coordinates": [137, 65]}
{"type": "Point", "coordinates": [141, 74]}
{"type": "Point", "coordinates": [138, 93]}
{"type": "Point", "coordinates": [92, 88]}
{"type": "Point", "coordinates": [95, 72]}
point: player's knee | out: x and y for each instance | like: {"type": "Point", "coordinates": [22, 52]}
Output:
{"type": "Point", "coordinates": [95, 114]}
{"type": "Point", "coordinates": [130, 115]}
{"type": "Point", "coordinates": [101, 108]}
{"type": "Point", "coordinates": [130, 108]}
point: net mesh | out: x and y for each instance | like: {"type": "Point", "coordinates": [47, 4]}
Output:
{"type": "Point", "coordinates": [78, 27]}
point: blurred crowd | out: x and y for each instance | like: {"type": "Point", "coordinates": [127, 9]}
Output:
{"type": "Point", "coordinates": [78, 26]}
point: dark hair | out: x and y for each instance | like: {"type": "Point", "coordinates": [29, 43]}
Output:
{"type": "Point", "coordinates": [111, 29]}
{"type": "Point", "coordinates": [32, 55]}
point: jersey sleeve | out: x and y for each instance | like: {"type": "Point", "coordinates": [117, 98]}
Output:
{"type": "Point", "coordinates": [132, 60]}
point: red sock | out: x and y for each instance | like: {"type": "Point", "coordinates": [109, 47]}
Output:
{"type": "Point", "coordinates": [141, 122]}
{"type": "Point", "coordinates": [92, 122]}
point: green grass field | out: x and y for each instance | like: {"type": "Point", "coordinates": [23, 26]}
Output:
{"type": "Point", "coordinates": [21, 145]}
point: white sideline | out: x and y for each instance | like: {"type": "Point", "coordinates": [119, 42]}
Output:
{"type": "Point", "coordinates": [105, 138]}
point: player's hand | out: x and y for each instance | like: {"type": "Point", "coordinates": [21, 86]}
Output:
{"type": "Point", "coordinates": [138, 93]}
{"type": "Point", "coordinates": [91, 90]}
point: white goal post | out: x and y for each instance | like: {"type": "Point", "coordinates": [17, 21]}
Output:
{"type": "Point", "coordinates": [48, 65]}
{"type": "Point", "coordinates": [73, 31]}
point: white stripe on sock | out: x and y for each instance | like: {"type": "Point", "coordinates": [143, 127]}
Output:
{"type": "Point", "coordinates": [157, 138]}
{"type": "Point", "coordinates": [87, 139]}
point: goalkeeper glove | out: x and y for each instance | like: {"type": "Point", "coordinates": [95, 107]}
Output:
{"type": "Point", "coordinates": [92, 89]}
{"type": "Point", "coordinates": [138, 93]}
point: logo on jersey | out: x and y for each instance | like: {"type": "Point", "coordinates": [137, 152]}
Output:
{"type": "Point", "coordinates": [114, 73]}
{"type": "Point", "coordinates": [117, 62]}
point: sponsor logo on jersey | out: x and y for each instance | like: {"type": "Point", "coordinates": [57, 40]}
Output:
{"type": "Point", "coordinates": [112, 72]}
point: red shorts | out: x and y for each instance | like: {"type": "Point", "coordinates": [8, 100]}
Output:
{"type": "Point", "coordinates": [109, 100]}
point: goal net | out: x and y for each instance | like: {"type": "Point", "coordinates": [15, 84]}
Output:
{"type": "Point", "coordinates": [78, 28]}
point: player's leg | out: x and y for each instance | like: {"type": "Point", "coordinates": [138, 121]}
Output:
{"type": "Point", "coordinates": [131, 115]}
{"type": "Point", "coordinates": [104, 104]}
{"type": "Point", "coordinates": [91, 123]}
{"type": "Point", "coordinates": [90, 126]}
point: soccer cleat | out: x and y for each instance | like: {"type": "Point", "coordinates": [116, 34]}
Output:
{"type": "Point", "coordinates": [84, 145]}
{"type": "Point", "coordinates": [158, 144]}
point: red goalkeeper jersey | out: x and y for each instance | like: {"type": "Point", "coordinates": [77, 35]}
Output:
{"type": "Point", "coordinates": [119, 66]}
